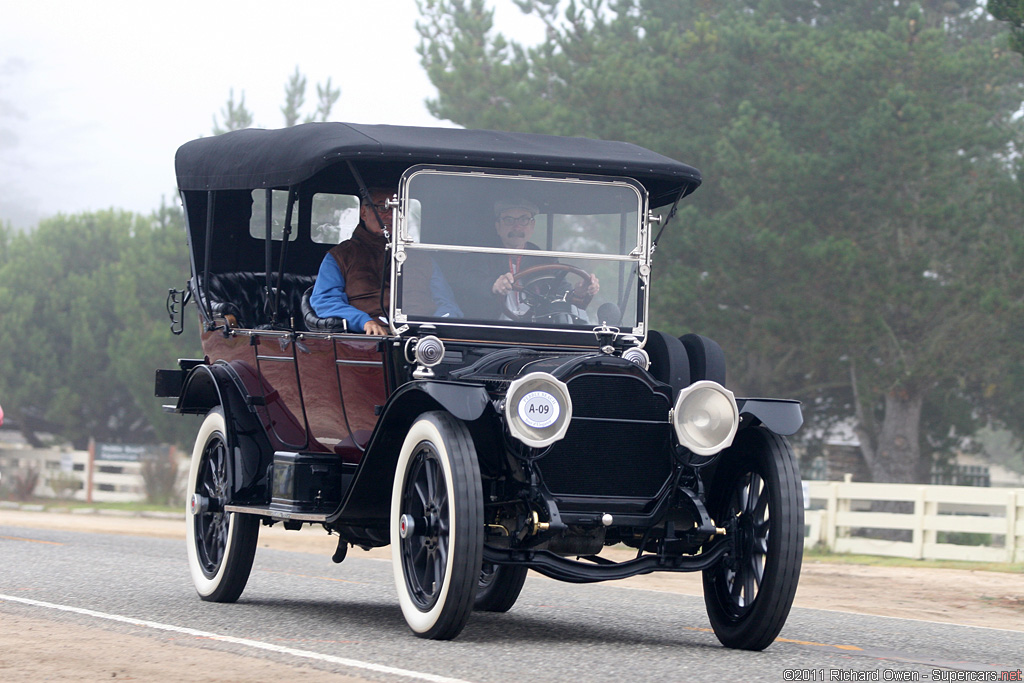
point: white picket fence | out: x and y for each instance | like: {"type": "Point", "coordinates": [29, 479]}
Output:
{"type": "Point", "coordinates": [987, 523]}
{"type": "Point", "coordinates": [86, 479]}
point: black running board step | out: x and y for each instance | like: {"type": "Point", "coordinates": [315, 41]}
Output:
{"type": "Point", "coordinates": [267, 511]}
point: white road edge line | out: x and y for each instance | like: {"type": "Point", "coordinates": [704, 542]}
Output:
{"type": "Point", "coordinates": [245, 642]}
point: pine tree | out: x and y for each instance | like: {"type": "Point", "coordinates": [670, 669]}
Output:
{"type": "Point", "coordinates": [235, 116]}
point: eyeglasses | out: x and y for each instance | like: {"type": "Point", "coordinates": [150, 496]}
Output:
{"type": "Point", "coordinates": [510, 221]}
{"type": "Point", "coordinates": [381, 208]}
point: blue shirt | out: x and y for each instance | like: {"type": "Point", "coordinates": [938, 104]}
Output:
{"type": "Point", "coordinates": [329, 299]}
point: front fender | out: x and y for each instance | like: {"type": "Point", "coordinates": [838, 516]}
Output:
{"type": "Point", "coordinates": [465, 401]}
{"type": "Point", "coordinates": [369, 499]}
{"type": "Point", "coordinates": [780, 415]}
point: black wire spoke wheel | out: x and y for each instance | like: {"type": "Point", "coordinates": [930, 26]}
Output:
{"type": "Point", "coordinates": [498, 587]}
{"type": "Point", "coordinates": [212, 527]}
{"type": "Point", "coordinates": [425, 547]}
{"type": "Point", "coordinates": [437, 526]}
{"type": "Point", "coordinates": [748, 504]}
{"type": "Point", "coordinates": [757, 494]}
{"type": "Point", "coordinates": [221, 545]}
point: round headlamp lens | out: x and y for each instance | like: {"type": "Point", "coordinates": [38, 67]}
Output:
{"type": "Point", "coordinates": [705, 417]}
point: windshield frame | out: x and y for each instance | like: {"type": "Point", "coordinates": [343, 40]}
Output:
{"type": "Point", "coordinates": [637, 253]}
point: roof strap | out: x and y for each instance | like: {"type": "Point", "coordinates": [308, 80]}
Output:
{"type": "Point", "coordinates": [293, 196]}
{"type": "Point", "coordinates": [671, 215]}
{"type": "Point", "coordinates": [268, 243]}
{"type": "Point", "coordinates": [211, 196]}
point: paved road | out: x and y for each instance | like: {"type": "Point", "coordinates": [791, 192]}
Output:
{"type": "Point", "coordinates": [556, 632]}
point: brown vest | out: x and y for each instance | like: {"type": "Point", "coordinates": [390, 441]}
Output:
{"type": "Point", "coordinates": [363, 261]}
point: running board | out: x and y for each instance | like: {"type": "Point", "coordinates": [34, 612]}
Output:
{"type": "Point", "coordinates": [275, 513]}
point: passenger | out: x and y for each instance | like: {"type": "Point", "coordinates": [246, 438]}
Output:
{"type": "Point", "coordinates": [348, 285]}
{"type": "Point", "coordinates": [514, 221]}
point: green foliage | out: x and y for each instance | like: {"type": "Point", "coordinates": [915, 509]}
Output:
{"type": "Point", "coordinates": [23, 483]}
{"type": "Point", "coordinates": [82, 300]}
{"type": "Point", "coordinates": [1002, 448]}
{"type": "Point", "coordinates": [237, 116]}
{"type": "Point", "coordinates": [64, 484]}
{"type": "Point", "coordinates": [327, 96]}
{"type": "Point", "coordinates": [6, 232]}
{"type": "Point", "coordinates": [160, 477]}
{"type": "Point", "coordinates": [964, 538]}
{"type": "Point", "coordinates": [821, 554]}
{"type": "Point", "coordinates": [1012, 12]}
{"type": "Point", "coordinates": [294, 98]}
{"type": "Point", "coordinates": [855, 241]}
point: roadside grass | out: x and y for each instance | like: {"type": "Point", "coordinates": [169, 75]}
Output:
{"type": "Point", "coordinates": [821, 555]}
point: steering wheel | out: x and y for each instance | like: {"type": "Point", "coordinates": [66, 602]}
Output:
{"type": "Point", "coordinates": [538, 285]}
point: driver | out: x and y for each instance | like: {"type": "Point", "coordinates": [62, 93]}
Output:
{"type": "Point", "coordinates": [514, 221]}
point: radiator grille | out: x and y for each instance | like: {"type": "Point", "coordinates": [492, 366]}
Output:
{"type": "Point", "coordinates": [611, 458]}
{"type": "Point", "coordinates": [620, 397]}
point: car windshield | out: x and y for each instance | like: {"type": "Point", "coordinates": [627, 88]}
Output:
{"type": "Point", "coordinates": [538, 251]}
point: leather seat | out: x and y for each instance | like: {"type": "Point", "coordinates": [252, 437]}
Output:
{"type": "Point", "coordinates": [315, 323]}
{"type": "Point", "coordinates": [242, 294]}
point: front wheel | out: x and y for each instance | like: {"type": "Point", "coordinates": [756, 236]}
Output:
{"type": "Point", "coordinates": [221, 545]}
{"type": "Point", "coordinates": [757, 487]}
{"type": "Point", "coordinates": [437, 526]}
{"type": "Point", "coordinates": [498, 587]}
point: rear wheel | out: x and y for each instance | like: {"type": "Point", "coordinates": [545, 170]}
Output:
{"type": "Point", "coordinates": [437, 526]}
{"type": "Point", "coordinates": [221, 545]}
{"type": "Point", "coordinates": [749, 594]}
{"type": "Point", "coordinates": [498, 587]}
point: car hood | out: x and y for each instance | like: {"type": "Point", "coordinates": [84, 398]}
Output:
{"type": "Point", "coordinates": [501, 367]}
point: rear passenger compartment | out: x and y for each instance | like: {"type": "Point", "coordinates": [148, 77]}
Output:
{"type": "Point", "coordinates": [242, 300]}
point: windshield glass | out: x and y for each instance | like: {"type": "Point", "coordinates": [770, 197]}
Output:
{"type": "Point", "coordinates": [532, 251]}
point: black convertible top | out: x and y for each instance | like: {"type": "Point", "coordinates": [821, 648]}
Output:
{"type": "Point", "coordinates": [256, 158]}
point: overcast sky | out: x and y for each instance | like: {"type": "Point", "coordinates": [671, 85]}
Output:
{"type": "Point", "coordinates": [95, 97]}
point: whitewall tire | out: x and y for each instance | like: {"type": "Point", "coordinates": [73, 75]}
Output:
{"type": "Point", "coordinates": [221, 546]}
{"type": "Point", "coordinates": [437, 526]}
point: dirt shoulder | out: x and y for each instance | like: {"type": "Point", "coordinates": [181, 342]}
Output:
{"type": "Point", "coordinates": [975, 598]}
{"type": "Point", "coordinates": [96, 654]}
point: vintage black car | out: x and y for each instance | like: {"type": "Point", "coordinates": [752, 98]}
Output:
{"type": "Point", "coordinates": [529, 429]}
